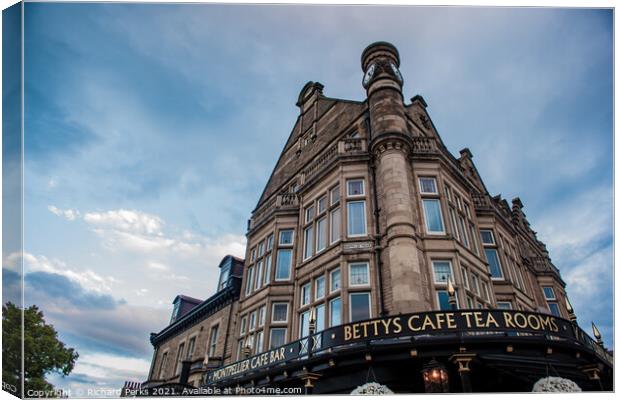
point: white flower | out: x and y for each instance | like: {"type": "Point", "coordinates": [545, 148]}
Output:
{"type": "Point", "coordinates": [555, 384]}
{"type": "Point", "coordinates": [372, 388]}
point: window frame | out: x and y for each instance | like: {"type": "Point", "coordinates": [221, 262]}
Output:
{"type": "Point", "coordinates": [322, 220]}
{"type": "Point", "coordinates": [331, 280]}
{"type": "Point", "coordinates": [302, 315]}
{"type": "Point", "coordinates": [279, 328]}
{"type": "Point", "coordinates": [465, 273]}
{"type": "Point", "coordinates": [557, 307]}
{"type": "Point", "coordinates": [509, 303]}
{"type": "Point", "coordinates": [309, 213]}
{"type": "Point", "coordinates": [290, 265]}
{"type": "Point", "coordinates": [292, 231]}
{"type": "Point", "coordinates": [475, 283]}
{"type": "Point", "coordinates": [332, 212]}
{"type": "Point", "coordinates": [364, 219]}
{"type": "Point", "coordinates": [273, 306]}
{"type": "Point", "coordinates": [432, 179]}
{"type": "Point", "coordinates": [259, 274]}
{"type": "Point", "coordinates": [316, 287]}
{"type": "Point", "coordinates": [499, 264]}
{"type": "Point", "coordinates": [305, 290]}
{"type": "Point", "coordinates": [554, 298]}
{"type": "Point", "coordinates": [308, 242]}
{"type": "Point", "coordinates": [267, 274]}
{"type": "Point", "coordinates": [451, 271]}
{"type": "Point", "coordinates": [358, 263]}
{"type": "Point", "coordinates": [441, 218]}
{"type": "Point", "coordinates": [162, 364]}
{"type": "Point", "coordinates": [213, 343]}
{"type": "Point", "coordinates": [368, 294]}
{"type": "Point", "coordinates": [179, 358]}
{"type": "Point", "coordinates": [334, 189]}
{"type": "Point", "coordinates": [261, 316]}
{"type": "Point", "coordinates": [320, 210]}
{"type": "Point", "coordinates": [249, 284]}
{"type": "Point", "coordinates": [243, 324]}
{"type": "Point", "coordinates": [348, 181]}
{"type": "Point", "coordinates": [493, 243]}
{"type": "Point", "coordinates": [252, 322]}
{"type": "Point", "coordinates": [338, 298]}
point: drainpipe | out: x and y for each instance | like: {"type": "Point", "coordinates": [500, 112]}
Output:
{"type": "Point", "coordinates": [376, 212]}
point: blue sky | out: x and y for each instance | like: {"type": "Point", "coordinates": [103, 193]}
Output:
{"type": "Point", "coordinates": [152, 129]}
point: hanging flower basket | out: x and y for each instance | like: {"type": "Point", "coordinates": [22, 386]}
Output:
{"type": "Point", "coordinates": [555, 384]}
{"type": "Point", "coordinates": [372, 388]}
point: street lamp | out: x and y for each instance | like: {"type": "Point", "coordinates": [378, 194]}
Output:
{"type": "Point", "coordinates": [435, 377]}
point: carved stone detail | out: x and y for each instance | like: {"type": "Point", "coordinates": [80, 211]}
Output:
{"type": "Point", "coordinates": [389, 144]}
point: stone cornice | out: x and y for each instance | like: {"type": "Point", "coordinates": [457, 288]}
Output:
{"type": "Point", "coordinates": [390, 141]}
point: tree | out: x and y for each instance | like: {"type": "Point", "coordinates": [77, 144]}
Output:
{"type": "Point", "coordinates": [43, 352]}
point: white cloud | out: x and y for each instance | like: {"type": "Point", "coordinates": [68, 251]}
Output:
{"type": "Point", "coordinates": [126, 221]}
{"type": "Point", "coordinates": [103, 365]}
{"type": "Point", "coordinates": [572, 239]}
{"type": "Point", "coordinates": [157, 266]}
{"type": "Point", "coordinates": [69, 214]}
{"type": "Point", "coordinates": [87, 278]}
{"type": "Point", "coordinates": [581, 247]}
{"type": "Point", "coordinates": [139, 241]}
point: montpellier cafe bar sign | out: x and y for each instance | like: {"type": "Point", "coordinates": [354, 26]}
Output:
{"type": "Point", "coordinates": [406, 325]}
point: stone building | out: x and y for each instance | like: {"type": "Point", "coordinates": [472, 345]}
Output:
{"type": "Point", "coordinates": [367, 215]}
{"type": "Point", "coordinates": [197, 337]}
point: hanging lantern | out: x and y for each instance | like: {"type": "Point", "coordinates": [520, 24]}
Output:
{"type": "Point", "coordinates": [435, 377]}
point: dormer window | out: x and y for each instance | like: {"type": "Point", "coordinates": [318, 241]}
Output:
{"type": "Point", "coordinates": [175, 311]}
{"type": "Point", "coordinates": [224, 274]}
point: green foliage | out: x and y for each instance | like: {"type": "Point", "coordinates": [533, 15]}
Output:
{"type": "Point", "coordinates": [43, 352]}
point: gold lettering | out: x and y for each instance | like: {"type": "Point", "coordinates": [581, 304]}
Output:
{"type": "Point", "coordinates": [397, 324]}
{"type": "Point", "coordinates": [520, 320]}
{"type": "Point", "coordinates": [554, 325]}
{"type": "Point", "coordinates": [374, 325]}
{"type": "Point", "coordinates": [441, 318]}
{"type": "Point", "coordinates": [450, 320]}
{"type": "Point", "coordinates": [545, 322]}
{"type": "Point", "coordinates": [356, 331]}
{"type": "Point", "coordinates": [428, 321]}
{"type": "Point", "coordinates": [478, 319]}
{"type": "Point", "coordinates": [410, 323]}
{"type": "Point", "coordinates": [467, 315]}
{"type": "Point", "coordinates": [533, 322]}
{"type": "Point", "coordinates": [508, 320]}
{"type": "Point", "coordinates": [491, 320]}
{"type": "Point", "coordinates": [347, 333]}
{"type": "Point", "coordinates": [365, 326]}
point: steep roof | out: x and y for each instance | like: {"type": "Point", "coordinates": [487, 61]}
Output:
{"type": "Point", "coordinates": [321, 120]}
